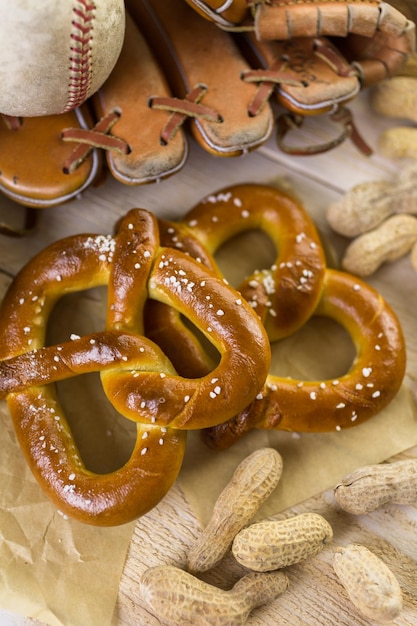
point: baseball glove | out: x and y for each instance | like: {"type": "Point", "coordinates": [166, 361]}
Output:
{"type": "Point", "coordinates": [166, 77]}
{"type": "Point", "coordinates": [376, 36]}
{"type": "Point", "coordinates": [149, 149]}
{"type": "Point", "coordinates": [33, 157]}
{"type": "Point", "coordinates": [316, 56]}
{"type": "Point", "coordinates": [203, 66]}
{"type": "Point", "coordinates": [49, 160]}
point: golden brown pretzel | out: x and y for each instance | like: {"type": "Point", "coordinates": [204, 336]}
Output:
{"type": "Point", "coordinates": [319, 406]}
{"type": "Point", "coordinates": [137, 377]}
{"type": "Point", "coordinates": [309, 406]}
{"type": "Point", "coordinates": [165, 325]}
{"type": "Point", "coordinates": [285, 295]}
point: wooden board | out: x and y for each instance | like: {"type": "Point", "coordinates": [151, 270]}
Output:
{"type": "Point", "coordinates": [164, 535]}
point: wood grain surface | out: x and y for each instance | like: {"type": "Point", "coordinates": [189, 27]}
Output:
{"type": "Point", "coordinates": [315, 597]}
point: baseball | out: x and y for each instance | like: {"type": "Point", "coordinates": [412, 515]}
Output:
{"type": "Point", "coordinates": [55, 54]}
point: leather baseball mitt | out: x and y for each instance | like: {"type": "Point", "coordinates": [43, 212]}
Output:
{"type": "Point", "coordinates": [203, 66]}
{"type": "Point", "coordinates": [33, 157]}
{"type": "Point", "coordinates": [314, 56]}
{"type": "Point", "coordinates": [376, 36]}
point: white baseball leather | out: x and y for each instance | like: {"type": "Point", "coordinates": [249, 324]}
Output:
{"type": "Point", "coordinates": [55, 54]}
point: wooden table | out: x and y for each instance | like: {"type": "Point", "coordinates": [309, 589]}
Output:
{"type": "Point", "coordinates": [164, 535]}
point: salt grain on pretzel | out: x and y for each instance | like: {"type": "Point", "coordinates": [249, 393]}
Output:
{"type": "Point", "coordinates": [285, 295]}
{"type": "Point", "coordinates": [370, 384]}
{"type": "Point", "coordinates": [137, 377]}
{"type": "Point", "coordinates": [302, 287]}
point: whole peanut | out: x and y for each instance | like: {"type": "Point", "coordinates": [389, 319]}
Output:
{"type": "Point", "coordinates": [272, 544]}
{"type": "Point", "coordinates": [179, 598]}
{"type": "Point", "coordinates": [396, 98]}
{"type": "Point", "coordinates": [252, 482]}
{"type": "Point", "coordinates": [399, 142]}
{"type": "Point", "coordinates": [370, 584]}
{"type": "Point", "coordinates": [391, 240]}
{"type": "Point", "coordinates": [368, 204]}
{"type": "Point", "coordinates": [372, 486]}
{"type": "Point", "coordinates": [362, 208]}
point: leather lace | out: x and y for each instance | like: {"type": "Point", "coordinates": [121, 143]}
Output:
{"type": "Point", "coordinates": [183, 108]}
{"type": "Point", "coordinates": [288, 122]}
{"type": "Point", "coordinates": [280, 74]}
{"type": "Point", "coordinates": [88, 139]}
{"type": "Point", "coordinates": [267, 80]}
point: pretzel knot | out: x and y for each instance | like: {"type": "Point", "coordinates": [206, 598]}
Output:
{"type": "Point", "coordinates": [371, 383]}
{"type": "Point", "coordinates": [285, 296]}
{"type": "Point", "coordinates": [138, 378]}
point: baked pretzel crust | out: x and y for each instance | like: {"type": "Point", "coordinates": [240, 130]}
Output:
{"type": "Point", "coordinates": [286, 296]}
{"type": "Point", "coordinates": [137, 377]}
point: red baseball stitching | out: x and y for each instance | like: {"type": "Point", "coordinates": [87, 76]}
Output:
{"type": "Point", "coordinates": [80, 58]}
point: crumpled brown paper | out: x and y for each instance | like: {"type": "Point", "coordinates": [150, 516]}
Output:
{"type": "Point", "coordinates": [57, 570]}
{"type": "Point", "coordinates": [320, 350]}
{"type": "Point", "coordinates": [67, 574]}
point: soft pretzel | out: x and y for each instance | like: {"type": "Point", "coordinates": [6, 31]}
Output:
{"type": "Point", "coordinates": [285, 295]}
{"type": "Point", "coordinates": [166, 326]}
{"type": "Point", "coordinates": [319, 406]}
{"type": "Point", "coordinates": [308, 406]}
{"type": "Point", "coordinates": [137, 377]}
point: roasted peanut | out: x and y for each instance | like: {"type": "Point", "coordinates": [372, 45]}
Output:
{"type": "Point", "coordinates": [372, 486]}
{"type": "Point", "coordinates": [410, 66]}
{"type": "Point", "coordinates": [252, 482]}
{"type": "Point", "coordinates": [272, 544]}
{"type": "Point", "coordinates": [370, 584]}
{"type": "Point", "coordinates": [362, 208]}
{"type": "Point", "coordinates": [368, 204]}
{"type": "Point", "coordinates": [392, 240]}
{"type": "Point", "coordinates": [399, 142]}
{"type": "Point", "coordinates": [179, 598]}
{"type": "Point", "coordinates": [396, 98]}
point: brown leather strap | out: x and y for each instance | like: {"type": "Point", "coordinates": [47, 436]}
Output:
{"type": "Point", "coordinates": [30, 221]}
{"type": "Point", "coordinates": [343, 116]}
{"type": "Point", "coordinates": [183, 108]}
{"type": "Point", "coordinates": [268, 79]}
{"type": "Point", "coordinates": [12, 122]}
{"type": "Point", "coordinates": [333, 58]}
{"type": "Point", "coordinates": [281, 74]}
{"type": "Point", "coordinates": [97, 137]}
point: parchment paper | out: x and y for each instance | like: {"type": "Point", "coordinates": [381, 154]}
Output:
{"type": "Point", "coordinates": [57, 570]}
{"type": "Point", "coordinates": [312, 463]}
{"type": "Point", "coordinates": [66, 573]}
